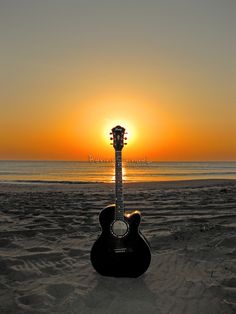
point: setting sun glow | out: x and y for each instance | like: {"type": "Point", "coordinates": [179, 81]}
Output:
{"type": "Point", "coordinates": [71, 71]}
{"type": "Point", "coordinates": [129, 129]}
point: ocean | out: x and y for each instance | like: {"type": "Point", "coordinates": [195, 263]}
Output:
{"type": "Point", "coordinates": [81, 171]}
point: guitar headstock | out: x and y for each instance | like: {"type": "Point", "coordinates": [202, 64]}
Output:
{"type": "Point", "coordinates": [118, 138]}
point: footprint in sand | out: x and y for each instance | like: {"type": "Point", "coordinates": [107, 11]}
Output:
{"type": "Point", "coordinates": [39, 249]}
{"type": "Point", "coordinates": [60, 291]}
{"type": "Point", "coordinates": [7, 243]}
{"type": "Point", "coordinates": [35, 301]}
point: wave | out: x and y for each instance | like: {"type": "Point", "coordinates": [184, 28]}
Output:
{"type": "Point", "coordinates": [47, 181]}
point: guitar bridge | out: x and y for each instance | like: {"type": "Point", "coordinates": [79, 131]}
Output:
{"type": "Point", "coordinates": [121, 250]}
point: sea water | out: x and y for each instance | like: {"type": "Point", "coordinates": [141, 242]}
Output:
{"type": "Point", "coordinates": [99, 171]}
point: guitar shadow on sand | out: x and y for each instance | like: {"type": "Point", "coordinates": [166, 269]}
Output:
{"type": "Point", "coordinates": [121, 295]}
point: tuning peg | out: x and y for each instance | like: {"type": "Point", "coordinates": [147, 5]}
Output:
{"type": "Point", "coordinates": [125, 143]}
{"type": "Point", "coordinates": [125, 138]}
{"type": "Point", "coordinates": [111, 138]}
{"type": "Point", "coordinates": [110, 133]}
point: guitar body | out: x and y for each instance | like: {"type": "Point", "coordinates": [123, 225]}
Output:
{"type": "Point", "coordinates": [127, 255]}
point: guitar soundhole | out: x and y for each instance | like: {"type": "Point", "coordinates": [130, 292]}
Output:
{"type": "Point", "coordinates": [119, 228]}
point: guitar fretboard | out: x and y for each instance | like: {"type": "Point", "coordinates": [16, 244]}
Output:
{"type": "Point", "coordinates": [119, 212]}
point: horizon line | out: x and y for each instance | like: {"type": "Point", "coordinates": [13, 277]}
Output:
{"type": "Point", "coordinates": [109, 160]}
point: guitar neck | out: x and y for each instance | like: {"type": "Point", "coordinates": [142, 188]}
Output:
{"type": "Point", "coordinates": [119, 211]}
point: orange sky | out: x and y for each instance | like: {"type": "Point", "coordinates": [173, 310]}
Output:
{"type": "Point", "coordinates": [70, 72]}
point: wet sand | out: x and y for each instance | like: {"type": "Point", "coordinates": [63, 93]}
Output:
{"type": "Point", "coordinates": [47, 231]}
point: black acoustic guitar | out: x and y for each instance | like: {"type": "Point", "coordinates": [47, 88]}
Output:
{"type": "Point", "coordinates": [121, 250]}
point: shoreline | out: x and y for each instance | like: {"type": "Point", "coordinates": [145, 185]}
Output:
{"type": "Point", "coordinates": [69, 185]}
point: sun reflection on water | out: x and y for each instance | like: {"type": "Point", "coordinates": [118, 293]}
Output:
{"type": "Point", "coordinates": [124, 174]}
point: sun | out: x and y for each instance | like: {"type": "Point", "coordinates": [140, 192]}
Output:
{"type": "Point", "coordinates": [129, 129]}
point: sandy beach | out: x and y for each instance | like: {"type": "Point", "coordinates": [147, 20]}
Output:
{"type": "Point", "coordinates": [47, 231]}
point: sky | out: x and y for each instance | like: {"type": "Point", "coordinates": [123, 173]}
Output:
{"type": "Point", "coordinates": [73, 69]}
